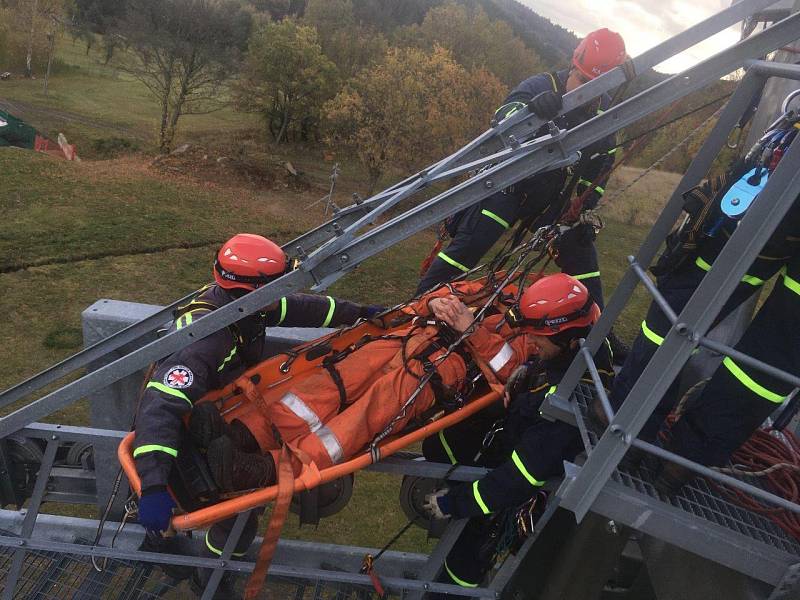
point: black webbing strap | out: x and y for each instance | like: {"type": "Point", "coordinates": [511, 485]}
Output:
{"type": "Point", "coordinates": [330, 366]}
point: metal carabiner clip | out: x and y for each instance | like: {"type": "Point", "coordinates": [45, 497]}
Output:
{"type": "Point", "coordinates": [738, 131]}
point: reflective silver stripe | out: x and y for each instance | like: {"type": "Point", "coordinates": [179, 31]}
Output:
{"type": "Point", "coordinates": [325, 435]}
{"type": "Point", "coordinates": [301, 409]}
{"type": "Point", "coordinates": [331, 443]}
{"type": "Point", "coordinates": [501, 358]}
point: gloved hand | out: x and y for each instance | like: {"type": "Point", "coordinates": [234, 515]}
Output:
{"type": "Point", "coordinates": [515, 383]}
{"type": "Point", "coordinates": [546, 105]}
{"type": "Point", "coordinates": [437, 504]}
{"type": "Point", "coordinates": [155, 508]}
{"type": "Point", "coordinates": [371, 310]}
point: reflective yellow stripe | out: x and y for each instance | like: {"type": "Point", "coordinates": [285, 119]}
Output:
{"type": "Point", "coordinates": [702, 264]}
{"type": "Point", "coordinates": [752, 280]}
{"type": "Point", "coordinates": [451, 262]}
{"type": "Point", "coordinates": [460, 582]}
{"type": "Point", "coordinates": [613, 151]}
{"type": "Point", "coordinates": [651, 335]}
{"type": "Point", "coordinates": [217, 551]}
{"type": "Point", "coordinates": [749, 279]}
{"type": "Point", "coordinates": [749, 383]}
{"type": "Point", "coordinates": [518, 461]}
{"type": "Point", "coordinates": [184, 320]}
{"type": "Point", "coordinates": [168, 390]}
{"type": "Point", "coordinates": [154, 448]}
{"type": "Point", "coordinates": [790, 283]}
{"type": "Point", "coordinates": [227, 359]}
{"type": "Point", "coordinates": [511, 107]}
{"type": "Point", "coordinates": [552, 390]}
{"type": "Point", "coordinates": [585, 182]}
{"type": "Point", "coordinates": [283, 310]}
{"type": "Point", "coordinates": [587, 275]}
{"type": "Point", "coordinates": [479, 499]}
{"type": "Point", "coordinates": [331, 308]}
{"type": "Point", "coordinates": [447, 448]}
{"type": "Point", "coordinates": [494, 217]}
{"type": "Point", "coordinates": [599, 190]}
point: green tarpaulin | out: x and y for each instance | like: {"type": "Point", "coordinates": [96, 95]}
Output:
{"type": "Point", "coordinates": [15, 132]}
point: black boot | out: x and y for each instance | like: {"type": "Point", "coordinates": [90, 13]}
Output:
{"type": "Point", "coordinates": [672, 478]}
{"type": "Point", "coordinates": [206, 425]}
{"type": "Point", "coordinates": [234, 470]}
{"type": "Point", "coordinates": [619, 349]}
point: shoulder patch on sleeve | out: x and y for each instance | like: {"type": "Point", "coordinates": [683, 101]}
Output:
{"type": "Point", "coordinates": [179, 377]}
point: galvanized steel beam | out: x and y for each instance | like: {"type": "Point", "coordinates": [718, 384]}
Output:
{"type": "Point", "coordinates": [694, 321]}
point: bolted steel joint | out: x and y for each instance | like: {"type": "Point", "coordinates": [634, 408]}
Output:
{"type": "Point", "coordinates": [619, 432]}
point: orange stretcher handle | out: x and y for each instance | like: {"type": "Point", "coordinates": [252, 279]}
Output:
{"type": "Point", "coordinates": [309, 478]}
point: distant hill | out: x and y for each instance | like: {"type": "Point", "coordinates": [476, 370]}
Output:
{"type": "Point", "coordinates": [550, 41]}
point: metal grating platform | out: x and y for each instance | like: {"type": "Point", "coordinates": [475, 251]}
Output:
{"type": "Point", "coordinates": [58, 576]}
{"type": "Point", "coordinates": [714, 521]}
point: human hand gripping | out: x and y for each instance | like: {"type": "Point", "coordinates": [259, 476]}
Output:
{"type": "Point", "coordinates": [453, 312]}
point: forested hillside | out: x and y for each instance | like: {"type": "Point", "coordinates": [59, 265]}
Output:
{"type": "Point", "coordinates": [395, 84]}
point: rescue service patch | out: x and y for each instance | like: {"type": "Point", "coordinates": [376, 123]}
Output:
{"type": "Point", "coordinates": [179, 377]}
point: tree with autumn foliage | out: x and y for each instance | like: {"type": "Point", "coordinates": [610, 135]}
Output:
{"type": "Point", "coordinates": [475, 41]}
{"type": "Point", "coordinates": [287, 78]}
{"type": "Point", "coordinates": [411, 108]}
{"type": "Point", "coordinates": [351, 45]}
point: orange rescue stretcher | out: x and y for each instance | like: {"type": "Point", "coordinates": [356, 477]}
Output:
{"type": "Point", "coordinates": [277, 374]}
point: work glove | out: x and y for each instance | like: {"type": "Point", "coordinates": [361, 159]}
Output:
{"type": "Point", "coordinates": [155, 508]}
{"type": "Point", "coordinates": [371, 310]}
{"type": "Point", "coordinates": [546, 105]}
{"type": "Point", "coordinates": [437, 504]}
{"type": "Point", "coordinates": [516, 383]}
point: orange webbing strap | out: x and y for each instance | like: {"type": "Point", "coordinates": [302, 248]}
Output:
{"type": "Point", "coordinates": [279, 513]}
{"type": "Point", "coordinates": [253, 394]}
{"type": "Point", "coordinates": [426, 264]}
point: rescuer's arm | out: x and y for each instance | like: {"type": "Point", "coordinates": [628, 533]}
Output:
{"type": "Point", "coordinates": [310, 310]}
{"type": "Point", "coordinates": [177, 382]}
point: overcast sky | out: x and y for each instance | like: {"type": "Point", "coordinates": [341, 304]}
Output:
{"type": "Point", "coordinates": [643, 23]}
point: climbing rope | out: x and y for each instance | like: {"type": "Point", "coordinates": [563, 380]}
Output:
{"type": "Point", "coordinates": [661, 160]}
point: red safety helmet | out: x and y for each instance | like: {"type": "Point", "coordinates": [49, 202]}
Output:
{"type": "Point", "coordinates": [598, 52]}
{"type": "Point", "coordinates": [248, 261]}
{"type": "Point", "coordinates": [553, 304]}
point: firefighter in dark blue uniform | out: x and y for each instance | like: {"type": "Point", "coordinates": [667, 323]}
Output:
{"type": "Point", "coordinates": [524, 449]}
{"type": "Point", "coordinates": [540, 200]}
{"type": "Point", "coordinates": [737, 398]}
{"type": "Point", "coordinates": [244, 263]}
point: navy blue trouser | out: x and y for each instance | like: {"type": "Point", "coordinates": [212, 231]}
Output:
{"type": "Point", "coordinates": [738, 398]}
{"type": "Point", "coordinates": [544, 444]}
{"type": "Point", "coordinates": [479, 227]}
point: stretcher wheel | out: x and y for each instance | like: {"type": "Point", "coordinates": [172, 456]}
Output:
{"type": "Point", "coordinates": [333, 497]}
{"type": "Point", "coordinates": [412, 498]}
{"type": "Point", "coordinates": [23, 457]}
{"type": "Point", "coordinates": [81, 454]}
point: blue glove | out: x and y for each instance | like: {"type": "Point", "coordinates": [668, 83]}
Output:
{"type": "Point", "coordinates": [371, 310]}
{"type": "Point", "coordinates": [155, 509]}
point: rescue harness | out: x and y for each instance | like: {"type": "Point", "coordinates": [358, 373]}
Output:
{"type": "Point", "coordinates": [722, 201]}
